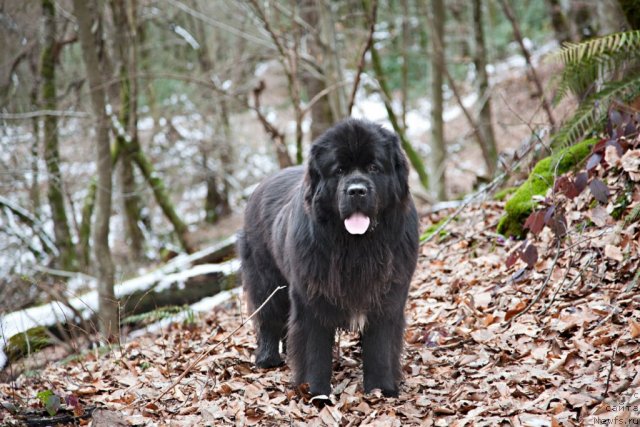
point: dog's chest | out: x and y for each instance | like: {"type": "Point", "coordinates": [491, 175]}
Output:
{"type": "Point", "coordinates": [357, 322]}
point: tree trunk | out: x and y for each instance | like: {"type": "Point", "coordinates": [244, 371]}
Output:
{"type": "Point", "coordinates": [125, 41]}
{"type": "Point", "coordinates": [313, 76]}
{"type": "Point", "coordinates": [406, 40]}
{"type": "Point", "coordinates": [51, 153]}
{"type": "Point", "coordinates": [611, 17]}
{"type": "Point", "coordinates": [485, 127]}
{"type": "Point", "coordinates": [333, 70]}
{"type": "Point", "coordinates": [34, 190]}
{"type": "Point", "coordinates": [108, 304]}
{"type": "Point", "coordinates": [559, 22]}
{"type": "Point", "coordinates": [216, 203]}
{"type": "Point", "coordinates": [438, 147]}
{"type": "Point", "coordinates": [508, 11]}
{"type": "Point", "coordinates": [161, 196]}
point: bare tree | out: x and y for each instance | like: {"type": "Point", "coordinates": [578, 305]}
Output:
{"type": "Point", "coordinates": [126, 56]}
{"type": "Point", "coordinates": [51, 153]}
{"type": "Point", "coordinates": [107, 301]}
{"type": "Point", "coordinates": [485, 128]}
{"type": "Point", "coordinates": [559, 21]}
{"type": "Point", "coordinates": [438, 146]}
{"type": "Point", "coordinates": [313, 76]}
{"type": "Point", "coordinates": [508, 11]}
{"type": "Point", "coordinates": [412, 154]}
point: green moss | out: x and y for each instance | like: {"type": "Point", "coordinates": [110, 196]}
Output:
{"type": "Point", "coordinates": [26, 343]}
{"type": "Point", "coordinates": [502, 194]}
{"type": "Point", "coordinates": [539, 181]}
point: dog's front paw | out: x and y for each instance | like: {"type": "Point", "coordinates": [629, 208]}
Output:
{"type": "Point", "coordinates": [268, 361]}
{"type": "Point", "coordinates": [386, 391]}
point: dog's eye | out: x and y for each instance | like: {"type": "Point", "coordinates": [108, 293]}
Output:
{"type": "Point", "coordinates": [339, 171]}
{"type": "Point", "coordinates": [373, 168]}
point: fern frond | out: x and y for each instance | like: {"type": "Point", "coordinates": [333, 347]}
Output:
{"type": "Point", "coordinates": [592, 110]}
{"type": "Point", "coordinates": [574, 53]}
{"type": "Point", "coordinates": [155, 315]}
{"type": "Point", "coordinates": [578, 78]}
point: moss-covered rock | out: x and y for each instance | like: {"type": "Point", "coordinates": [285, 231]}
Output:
{"type": "Point", "coordinates": [521, 204]}
{"type": "Point", "coordinates": [26, 343]}
{"type": "Point", "coordinates": [504, 193]}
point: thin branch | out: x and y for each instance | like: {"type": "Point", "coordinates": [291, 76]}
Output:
{"type": "Point", "coordinates": [43, 113]}
{"type": "Point", "coordinates": [226, 27]}
{"type": "Point", "coordinates": [209, 350]}
{"type": "Point", "coordinates": [490, 187]}
{"type": "Point", "coordinates": [365, 49]}
{"type": "Point", "coordinates": [525, 52]}
{"type": "Point", "coordinates": [318, 96]}
{"type": "Point", "coordinates": [278, 137]}
{"type": "Point", "coordinates": [26, 216]}
{"type": "Point", "coordinates": [613, 357]}
{"type": "Point", "coordinates": [542, 288]}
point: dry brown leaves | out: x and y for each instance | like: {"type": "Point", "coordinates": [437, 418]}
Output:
{"type": "Point", "coordinates": [477, 351]}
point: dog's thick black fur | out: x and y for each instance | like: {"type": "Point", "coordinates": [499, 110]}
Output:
{"type": "Point", "coordinates": [295, 234]}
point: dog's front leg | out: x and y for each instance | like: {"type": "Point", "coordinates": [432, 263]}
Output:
{"type": "Point", "coordinates": [309, 345]}
{"type": "Point", "coordinates": [382, 341]}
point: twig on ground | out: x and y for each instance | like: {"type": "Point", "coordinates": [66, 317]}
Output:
{"type": "Point", "coordinates": [573, 282]}
{"type": "Point", "coordinates": [613, 357]}
{"type": "Point", "coordinates": [209, 350]}
{"type": "Point", "coordinates": [492, 185]}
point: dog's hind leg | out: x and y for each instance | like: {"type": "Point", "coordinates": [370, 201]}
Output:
{"type": "Point", "coordinates": [260, 278]}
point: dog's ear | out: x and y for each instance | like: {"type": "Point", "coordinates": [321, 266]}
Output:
{"type": "Point", "coordinates": [311, 179]}
{"type": "Point", "coordinates": [400, 166]}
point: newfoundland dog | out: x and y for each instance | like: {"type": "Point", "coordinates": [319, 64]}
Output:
{"type": "Point", "coordinates": [342, 235]}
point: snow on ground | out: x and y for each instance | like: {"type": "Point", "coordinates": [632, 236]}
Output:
{"type": "Point", "coordinates": [178, 270]}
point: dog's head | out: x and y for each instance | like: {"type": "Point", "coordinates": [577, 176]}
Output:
{"type": "Point", "coordinates": [356, 171]}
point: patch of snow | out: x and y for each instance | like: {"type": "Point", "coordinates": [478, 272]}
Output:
{"type": "Point", "coordinates": [87, 304]}
{"type": "Point", "coordinates": [205, 305]}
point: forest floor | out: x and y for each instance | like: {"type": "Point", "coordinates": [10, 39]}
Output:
{"type": "Point", "coordinates": [491, 340]}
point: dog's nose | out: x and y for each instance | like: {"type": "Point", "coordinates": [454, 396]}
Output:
{"type": "Point", "coordinates": [354, 190]}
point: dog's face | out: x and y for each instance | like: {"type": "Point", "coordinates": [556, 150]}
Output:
{"type": "Point", "coordinates": [356, 171]}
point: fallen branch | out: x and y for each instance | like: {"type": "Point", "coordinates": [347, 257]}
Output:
{"type": "Point", "coordinates": [613, 357]}
{"type": "Point", "coordinates": [208, 351]}
{"type": "Point", "coordinates": [492, 185]}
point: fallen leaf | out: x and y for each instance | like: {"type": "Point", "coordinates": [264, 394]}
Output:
{"type": "Point", "coordinates": [631, 164]}
{"type": "Point", "coordinates": [599, 190]}
{"type": "Point", "coordinates": [634, 328]}
{"type": "Point", "coordinates": [515, 310]}
{"type": "Point", "coordinates": [613, 252]}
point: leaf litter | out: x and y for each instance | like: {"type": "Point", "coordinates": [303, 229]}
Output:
{"type": "Point", "coordinates": [499, 332]}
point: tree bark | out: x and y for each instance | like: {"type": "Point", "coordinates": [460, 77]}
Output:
{"type": "Point", "coordinates": [438, 147]}
{"type": "Point", "coordinates": [51, 153]}
{"type": "Point", "coordinates": [314, 77]}
{"type": "Point", "coordinates": [559, 22]}
{"type": "Point", "coordinates": [125, 53]}
{"type": "Point", "coordinates": [216, 203]}
{"type": "Point", "coordinates": [506, 8]}
{"type": "Point", "coordinates": [485, 127]}
{"type": "Point", "coordinates": [108, 304]}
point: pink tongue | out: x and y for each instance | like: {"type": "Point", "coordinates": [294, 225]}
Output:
{"type": "Point", "coordinates": [357, 223]}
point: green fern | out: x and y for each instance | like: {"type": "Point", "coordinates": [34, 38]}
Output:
{"type": "Point", "coordinates": [573, 53]}
{"type": "Point", "coordinates": [601, 59]}
{"type": "Point", "coordinates": [157, 314]}
{"type": "Point", "coordinates": [593, 110]}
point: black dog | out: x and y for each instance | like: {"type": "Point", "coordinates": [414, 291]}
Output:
{"type": "Point", "coordinates": [342, 233]}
